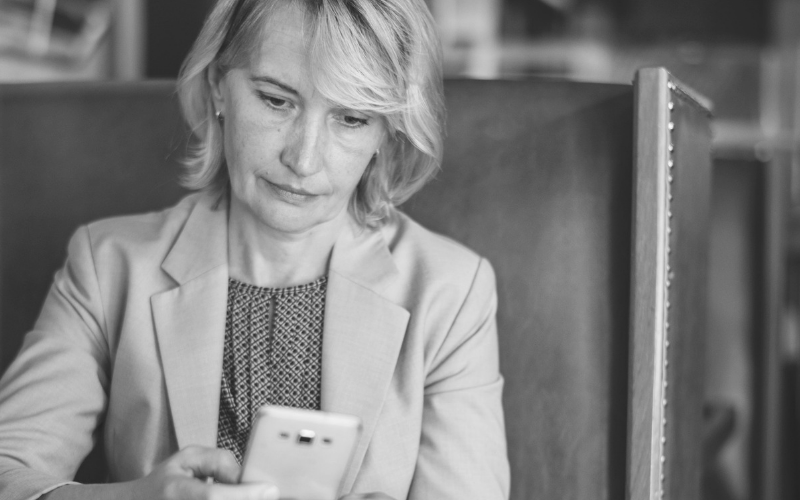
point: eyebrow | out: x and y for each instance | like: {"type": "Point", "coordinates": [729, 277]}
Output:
{"type": "Point", "coordinates": [277, 83]}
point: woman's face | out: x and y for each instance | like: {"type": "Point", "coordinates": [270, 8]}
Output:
{"type": "Point", "coordinates": [294, 158]}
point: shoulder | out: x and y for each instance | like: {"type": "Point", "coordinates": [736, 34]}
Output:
{"type": "Point", "coordinates": [411, 243]}
{"type": "Point", "coordinates": [142, 236]}
{"type": "Point", "coordinates": [403, 234]}
{"type": "Point", "coordinates": [434, 262]}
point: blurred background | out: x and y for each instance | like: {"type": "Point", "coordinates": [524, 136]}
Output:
{"type": "Point", "coordinates": [742, 54]}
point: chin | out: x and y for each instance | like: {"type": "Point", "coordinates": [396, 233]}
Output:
{"type": "Point", "coordinates": [293, 219]}
{"type": "Point", "coordinates": [287, 222]}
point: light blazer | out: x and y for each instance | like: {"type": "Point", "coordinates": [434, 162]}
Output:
{"type": "Point", "coordinates": [131, 336]}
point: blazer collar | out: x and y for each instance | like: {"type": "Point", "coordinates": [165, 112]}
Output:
{"type": "Point", "coordinates": [362, 256]}
{"type": "Point", "coordinates": [190, 321]}
{"type": "Point", "coordinates": [362, 336]}
{"type": "Point", "coordinates": [202, 244]}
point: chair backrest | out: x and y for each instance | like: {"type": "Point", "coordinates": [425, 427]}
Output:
{"type": "Point", "coordinates": [541, 176]}
{"type": "Point", "coordinates": [538, 178]}
{"type": "Point", "coordinates": [572, 191]}
{"type": "Point", "coordinates": [69, 154]}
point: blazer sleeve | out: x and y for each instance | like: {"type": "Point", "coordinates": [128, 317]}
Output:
{"type": "Point", "coordinates": [463, 444]}
{"type": "Point", "coordinates": [53, 396]}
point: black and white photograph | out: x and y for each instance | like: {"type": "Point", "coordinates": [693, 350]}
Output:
{"type": "Point", "coordinates": [399, 249]}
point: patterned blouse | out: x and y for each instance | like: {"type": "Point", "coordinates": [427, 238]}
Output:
{"type": "Point", "coordinates": [272, 355]}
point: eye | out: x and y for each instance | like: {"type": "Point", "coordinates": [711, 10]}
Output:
{"type": "Point", "coordinates": [275, 102]}
{"type": "Point", "coordinates": [351, 120]}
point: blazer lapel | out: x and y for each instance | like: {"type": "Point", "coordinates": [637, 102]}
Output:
{"type": "Point", "coordinates": [363, 334]}
{"type": "Point", "coordinates": [363, 330]}
{"type": "Point", "coordinates": [190, 324]}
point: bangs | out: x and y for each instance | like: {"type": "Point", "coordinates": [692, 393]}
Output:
{"type": "Point", "coordinates": [359, 54]}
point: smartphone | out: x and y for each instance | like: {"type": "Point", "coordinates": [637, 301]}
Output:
{"type": "Point", "coordinates": [305, 453]}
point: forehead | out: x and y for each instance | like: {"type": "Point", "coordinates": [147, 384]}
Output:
{"type": "Point", "coordinates": [323, 53]}
{"type": "Point", "coordinates": [283, 43]}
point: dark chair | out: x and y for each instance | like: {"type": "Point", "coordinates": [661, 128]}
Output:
{"type": "Point", "coordinates": [597, 230]}
{"type": "Point", "coordinates": [566, 187]}
{"type": "Point", "coordinates": [69, 154]}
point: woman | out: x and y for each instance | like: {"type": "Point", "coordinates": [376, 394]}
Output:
{"type": "Point", "coordinates": [289, 278]}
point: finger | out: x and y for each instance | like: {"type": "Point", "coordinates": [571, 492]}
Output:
{"type": "Point", "coordinates": [260, 491]}
{"type": "Point", "coordinates": [209, 462]}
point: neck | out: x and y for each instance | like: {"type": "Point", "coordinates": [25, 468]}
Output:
{"type": "Point", "coordinates": [262, 256]}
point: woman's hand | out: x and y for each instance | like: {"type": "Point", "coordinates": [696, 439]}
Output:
{"type": "Point", "coordinates": [185, 475]}
{"type": "Point", "coordinates": [367, 496]}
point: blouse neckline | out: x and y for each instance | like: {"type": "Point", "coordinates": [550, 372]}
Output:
{"type": "Point", "coordinates": [247, 288]}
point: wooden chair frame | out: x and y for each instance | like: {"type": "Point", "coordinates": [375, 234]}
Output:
{"type": "Point", "coordinates": [671, 206]}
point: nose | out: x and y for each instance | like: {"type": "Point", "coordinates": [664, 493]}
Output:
{"type": "Point", "coordinates": [302, 151]}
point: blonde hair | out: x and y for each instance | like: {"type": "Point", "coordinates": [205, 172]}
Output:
{"type": "Point", "coordinates": [380, 56]}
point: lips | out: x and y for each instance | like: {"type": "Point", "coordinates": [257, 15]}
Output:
{"type": "Point", "coordinates": [290, 193]}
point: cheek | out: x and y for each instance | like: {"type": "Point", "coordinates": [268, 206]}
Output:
{"type": "Point", "coordinates": [351, 166]}
{"type": "Point", "coordinates": [253, 145]}
{"type": "Point", "coordinates": [355, 155]}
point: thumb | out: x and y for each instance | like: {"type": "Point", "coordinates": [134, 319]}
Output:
{"type": "Point", "coordinates": [256, 491]}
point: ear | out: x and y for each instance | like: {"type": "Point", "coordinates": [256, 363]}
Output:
{"type": "Point", "coordinates": [216, 83]}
